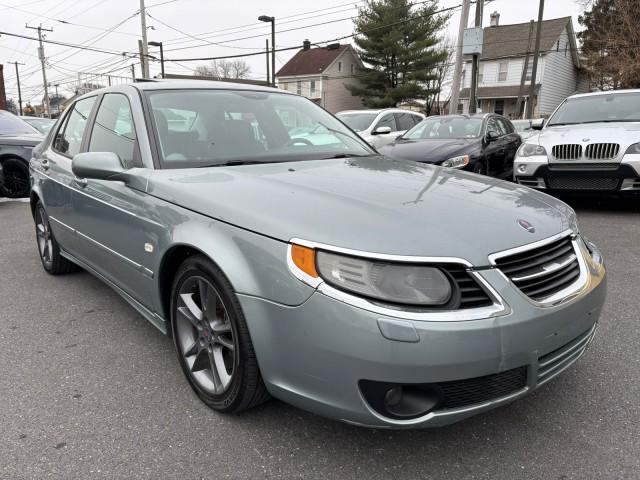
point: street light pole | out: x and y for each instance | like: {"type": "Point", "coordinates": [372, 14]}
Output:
{"type": "Point", "coordinates": [159, 44]}
{"type": "Point", "coordinates": [19, 92]}
{"type": "Point", "coordinates": [266, 18]}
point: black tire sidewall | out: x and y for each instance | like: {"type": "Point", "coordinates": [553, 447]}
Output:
{"type": "Point", "coordinates": [24, 168]}
{"type": "Point", "coordinates": [480, 168]}
{"type": "Point", "coordinates": [54, 246]}
{"type": "Point", "coordinates": [200, 266]}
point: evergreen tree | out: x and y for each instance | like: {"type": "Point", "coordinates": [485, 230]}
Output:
{"type": "Point", "coordinates": [398, 43]}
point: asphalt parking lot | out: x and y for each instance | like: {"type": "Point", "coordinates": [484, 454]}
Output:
{"type": "Point", "coordinates": [89, 389]}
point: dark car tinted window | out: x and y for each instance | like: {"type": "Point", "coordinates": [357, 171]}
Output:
{"type": "Point", "coordinates": [445, 127]}
{"type": "Point", "coordinates": [12, 125]}
{"type": "Point", "coordinates": [404, 121]}
{"type": "Point", "coordinates": [69, 137]}
{"type": "Point", "coordinates": [387, 121]}
{"type": "Point", "coordinates": [494, 127]}
{"type": "Point", "coordinates": [504, 125]}
{"type": "Point", "coordinates": [113, 130]}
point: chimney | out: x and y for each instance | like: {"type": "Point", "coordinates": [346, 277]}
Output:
{"type": "Point", "coordinates": [495, 19]}
{"type": "Point", "coordinates": [3, 97]}
{"type": "Point", "coordinates": [306, 45]}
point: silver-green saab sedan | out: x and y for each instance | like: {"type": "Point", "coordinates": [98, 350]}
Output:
{"type": "Point", "coordinates": [379, 292]}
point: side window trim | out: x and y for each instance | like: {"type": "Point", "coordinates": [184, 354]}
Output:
{"type": "Point", "coordinates": [90, 119]}
{"type": "Point", "coordinates": [61, 126]}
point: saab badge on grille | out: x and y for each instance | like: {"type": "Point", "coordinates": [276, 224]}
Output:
{"type": "Point", "coordinates": [526, 225]}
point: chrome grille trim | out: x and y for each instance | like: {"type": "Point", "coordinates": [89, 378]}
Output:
{"type": "Point", "coordinates": [602, 151]}
{"type": "Point", "coordinates": [568, 151]}
{"type": "Point", "coordinates": [553, 363]}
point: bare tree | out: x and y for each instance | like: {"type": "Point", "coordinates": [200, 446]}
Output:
{"type": "Point", "coordinates": [234, 69]}
{"type": "Point", "coordinates": [441, 71]}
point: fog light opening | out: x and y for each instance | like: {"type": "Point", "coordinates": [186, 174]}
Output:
{"type": "Point", "coordinates": [522, 168]}
{"type": "Point", "coordinates": [400, 401]}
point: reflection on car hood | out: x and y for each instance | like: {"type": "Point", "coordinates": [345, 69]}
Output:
{"type": "Point", "coordinates": [29, 140]}
{"type": "Point", "coordinates": [373, 204]}
{"type": "Point", "coordinates": [430, 150]}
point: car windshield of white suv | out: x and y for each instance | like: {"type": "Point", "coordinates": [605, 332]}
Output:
{"type": "Point", "coordinates": [208, 128]}
{"type": "Point", "coordinates": [12, 125]}
{"type": "Point", "coordinates": [445, 128]}
{"type": "Point", "coordinates": [358, 122]}
{"type": "Point", "coordinates": [612, 107]}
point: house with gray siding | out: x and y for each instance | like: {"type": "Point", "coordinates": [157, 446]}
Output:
{"type": "Point", "coordinates": [504, 50]}
{"type": "Point", "coordinates": [322, 75]}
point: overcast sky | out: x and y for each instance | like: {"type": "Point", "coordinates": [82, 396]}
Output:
{"type": "Point", "coordinates": [113, 25]}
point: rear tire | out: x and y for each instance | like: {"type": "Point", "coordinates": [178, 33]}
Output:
{"type": "Point", "coordinates": [16, 178]}
{"type": "Point", "coordinates": [48, 247]}
{"type": "Point", "coordinates": [212, 339]}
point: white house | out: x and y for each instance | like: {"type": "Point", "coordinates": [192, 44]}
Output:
{"type": "Point", "coordinates": [502, 61]}
{"type": "Point", "coordinates": [322, 75]}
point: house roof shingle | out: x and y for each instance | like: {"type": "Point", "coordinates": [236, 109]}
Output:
{"type": "Point", "coordinates": [310, 62]}
{"type": "Point", "coordinates": [506, 91]}
{"type": "Point", "coordinates": [513, 40]}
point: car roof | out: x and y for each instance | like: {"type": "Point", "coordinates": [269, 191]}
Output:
{"type": "Point", "coordinates": [608, 92]}
{"type": "Point", "coordinates": [380, 110]}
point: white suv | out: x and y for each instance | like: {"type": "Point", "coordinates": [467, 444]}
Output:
{"type": "Point", "coordinates": [380, 127]}
{"type": "Point", "coordinates": [590, 142]}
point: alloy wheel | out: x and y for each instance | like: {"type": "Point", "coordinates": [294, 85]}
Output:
{"type": "Point", "coordinates": [43, 233]}
{"type": "Point", "coordinates": [16, 183]}
{"type": "Point", "coordinates": [205, 335]}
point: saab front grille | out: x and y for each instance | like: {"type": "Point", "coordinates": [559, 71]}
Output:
{"type": "Point", "coordinates": [602, 151]}
{"type": "Point", "coordinates": [471, 294]}
{"type": "Point", "coordinates": [569, 151]}
{"type": "Point", "coordinates": [543, 271]}
{"type": "Point", "coordinates": [553, 363]}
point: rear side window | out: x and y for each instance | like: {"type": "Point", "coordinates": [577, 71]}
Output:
{"type": "Point", "coordinates": [69, 138]}
{"type": "Point", "coordinates": [404, 121]}
{"type": "Point", "coordinates": [113, 130]}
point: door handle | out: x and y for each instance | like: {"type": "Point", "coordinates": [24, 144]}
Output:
{"type": "Point", "coordinates": [45, 164]}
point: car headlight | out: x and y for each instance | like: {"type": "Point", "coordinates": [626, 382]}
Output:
{"type": "Point", "coordinates": [531, 149]}
{"type": "Point", "coordinates": [457, 162]}
{"type": "Point", "coordinates": [401, 283]}
{"type": "Point", "coordinates": [633, 149]}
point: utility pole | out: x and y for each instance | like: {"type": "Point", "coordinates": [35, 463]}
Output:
{"type": "Point", "coordinates": [523, 78]}
{"type": "Point", "coordinates": [142, 58]}
{"type": "Point", "coordinates": [536, 54]}
{"type": "Point", "coordinates": [42, 62]}
{"type": "Point", "coordinates": [474, 65]}
{"type": "Point", "coordinates": [133, 72]}
{"type": "Point", "coordinates": [457, 71]}
{"type": "Point", "coordinates": [145, 48]}
{"type": "Point", "coordinates": [267, 50]}
{"type": "Point", "coordinates": [19, 92]}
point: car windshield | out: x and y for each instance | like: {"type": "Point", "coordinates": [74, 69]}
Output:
{"type": "Point", "coordinates": [522, 125]}
{"type": "Point", "coordinates": [43, 125]}
{"type": "Point", "coordinates": [445, 127]}
{"type": "Point", "coordinates": [612, 107]}
{"type": "Point", "coordinates": [358, 121]}
{"type": "Point", "coordinates": [12, 125]}
{"type": "Point", "coordinates": [201, 128]}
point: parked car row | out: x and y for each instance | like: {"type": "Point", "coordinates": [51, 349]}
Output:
{"type": "Point", "coordinates": [291, 259]}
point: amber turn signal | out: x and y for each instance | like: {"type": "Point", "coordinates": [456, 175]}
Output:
{"type": "Point", "coordinates": [305, 259]}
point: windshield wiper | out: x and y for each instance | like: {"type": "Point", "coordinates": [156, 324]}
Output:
{"type": "Point", "coordinates": [347, 155]}
{"type": "Point", "coordinates": [232, 163]}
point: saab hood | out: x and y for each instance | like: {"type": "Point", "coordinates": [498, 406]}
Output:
{"type": "Point", "coordinates": [373, 204]}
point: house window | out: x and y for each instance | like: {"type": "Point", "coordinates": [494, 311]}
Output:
{"type": "Point", "coordinates": [339, 66]}
{"type": "Point", "coordinates": [502, 71]}
{"type": "Point", "coordinates": [352, 69]}
{"type": "Point", "coordinates": [529, 69]}
{"type": "Point", "coordinates": [480, 74]}
{"type": "Point", "coordinates": [312, 88]}
{"type": "Point", "coordinates": [299, 87]}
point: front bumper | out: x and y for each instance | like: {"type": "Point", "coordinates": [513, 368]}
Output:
{"type": "Point", "coordinates": [314, 355]}
{"type": "Point", "coordinates": [538, 172]}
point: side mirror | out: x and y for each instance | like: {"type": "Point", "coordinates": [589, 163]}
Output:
{"type": "Point", "coordinates": [97, 165]}
{"type": "Point", "coordinates": [491, 136]}
{"type": "Point", "coordinates": [381, 131]}
{"type": "Point", "coordinates": [537, 124]}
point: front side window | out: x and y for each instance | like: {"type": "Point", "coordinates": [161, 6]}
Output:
{"type": "Point", "coordinates": [404, 121]}
{"type": "Point", "coordinates": [445, 128]}
{"type": "Point", "coordinates": [387, 121]}
{"type": "Point", "coordinates": [113, 130]}
{"type": "Point", "coordinates": [219, 127]}
{"type": "Point", "coordinates": [503, 68]}
{"type": "Point", "coordinates": [494, 128]}
{"type": "Point", "coordinates": [358, 122]}
{"type": "Point", "coordinates": [614, 107]}
{"type": "Point", "coordinates": [69, 138]}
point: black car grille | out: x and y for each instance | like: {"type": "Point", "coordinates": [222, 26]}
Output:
{"type": "Point", "coordinates": [542, 271]}
{"type": "Point", "coordinates": [471, 294]}
{"type": "Point", "coordinates": [602, 151]}
{"type": "Point", "coordinates": [582, 183]}
{"type": "Point", "coordinates": [462, 393]}
{"type": "Point", "coordinates": [569, 151]}
{"type": "Point", "coordinates": [583, 166]}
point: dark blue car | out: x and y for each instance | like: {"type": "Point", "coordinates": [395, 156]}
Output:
{"type": "Point", "coordinates": [481, 143]}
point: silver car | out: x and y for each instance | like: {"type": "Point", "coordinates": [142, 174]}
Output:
{"type": "Point", "coordinates": [380, 127]}
{"type": "Point", "coordinates": [591, 142]}
{"type": "Point", "coordinates": [374, 291]}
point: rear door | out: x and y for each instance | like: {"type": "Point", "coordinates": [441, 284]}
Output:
{"type": "Point", "coordinates": [58, 181]}
{"type": "Point", "coordinates": [495, 150]}
{"type": "Point", "coordinates": [114, 220]}
{"type": "Point", "coordinates": [512, 142]}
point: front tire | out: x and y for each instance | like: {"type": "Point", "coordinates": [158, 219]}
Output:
{"type": "Point", "coordinates": [212, 339]}
{"type": "Point", "coordinates": [16, 178]}
{"type": "Point", "coordinates": [480, 168]}
{"type": "Point", "coordinates": [48, 247]}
